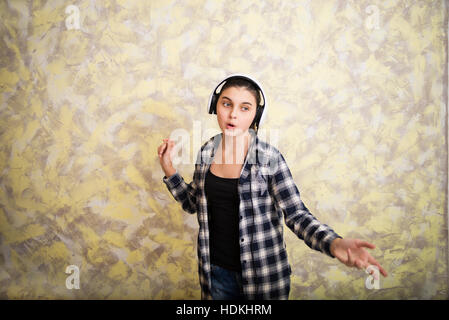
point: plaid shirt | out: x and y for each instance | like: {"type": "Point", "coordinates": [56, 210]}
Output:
{"type": "Point", "coordinates": [267, 194]}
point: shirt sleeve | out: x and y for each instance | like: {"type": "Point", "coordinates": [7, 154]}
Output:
{"type": "Point", "coordinates": [298, 218]}
{"type": "Point", "coordinates": [182, 192]}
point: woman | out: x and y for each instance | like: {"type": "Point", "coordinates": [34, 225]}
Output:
{"type": "Point", "coordinates": [241, 190]}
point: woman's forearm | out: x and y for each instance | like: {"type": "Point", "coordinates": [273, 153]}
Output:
{"type": "Point", "coordinates": [169, 171]}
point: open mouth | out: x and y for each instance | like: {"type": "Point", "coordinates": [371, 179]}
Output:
{"type": "Point", "coordinates": [230, 126]}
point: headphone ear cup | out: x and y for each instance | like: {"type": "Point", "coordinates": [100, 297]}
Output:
{"type": "Point", "coordinates": [213, 105]}
{"type": "Point", "coordinates": [257, 117]}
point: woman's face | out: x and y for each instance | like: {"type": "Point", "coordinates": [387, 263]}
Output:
{"type": "Point", "coordinates": [236, 109]}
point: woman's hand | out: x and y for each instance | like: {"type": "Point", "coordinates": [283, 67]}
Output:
{"type": "Point", "coordinates": [164, 153]}
{"type": "Point", "coordinates": [351, 252]}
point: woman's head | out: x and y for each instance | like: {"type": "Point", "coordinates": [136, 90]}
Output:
{"type": "Point", "coordinates": [237, 105]}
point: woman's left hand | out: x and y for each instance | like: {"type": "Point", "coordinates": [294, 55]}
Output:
{"type": "Point", "coordinates": [351, 252]}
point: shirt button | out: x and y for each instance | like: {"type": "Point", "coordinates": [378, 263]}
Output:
{"type": "Point", "coordinates": [243, 239]}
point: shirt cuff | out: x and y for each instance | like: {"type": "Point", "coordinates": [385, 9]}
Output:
{"type": "Point", "coordinates": [328, 242]}
{"type": "Point", "coordinates": [173, 180]}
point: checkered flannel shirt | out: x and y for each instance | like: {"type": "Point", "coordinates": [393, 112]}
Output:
{"type": "Point", "coordinates": [267, 195]}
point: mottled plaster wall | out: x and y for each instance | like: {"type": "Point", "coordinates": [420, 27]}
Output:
{"type": "Point", "coordinates": [357, 92]}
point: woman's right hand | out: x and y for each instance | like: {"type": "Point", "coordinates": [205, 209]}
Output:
{"type": "Point", "coordinates": [164, 154]}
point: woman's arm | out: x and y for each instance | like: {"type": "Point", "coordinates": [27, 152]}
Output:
{"type": "Point", "coordinates": [318, 236]}
{"type": "Point", "coordinates": [298, 218]}
{"type": "Point", "coordinates": [182, 192]}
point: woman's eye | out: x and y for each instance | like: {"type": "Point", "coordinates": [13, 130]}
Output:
{"type": "Point", "coordinates": [245, 108]}
{"type": "Point", "coordinates": [226, 104]}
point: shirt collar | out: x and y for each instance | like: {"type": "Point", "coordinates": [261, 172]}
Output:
{"type": "Point", "coordinates": [211, 146]}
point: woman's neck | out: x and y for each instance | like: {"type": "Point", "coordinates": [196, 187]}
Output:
{"type": "Point", "coordinates": [234, 148]}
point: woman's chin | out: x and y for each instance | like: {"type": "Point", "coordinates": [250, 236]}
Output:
{"type": "Point", "coordinates": [233, 132]}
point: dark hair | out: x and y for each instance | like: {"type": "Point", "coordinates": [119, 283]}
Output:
{"type": "Point", "coordinates": [242, 83]}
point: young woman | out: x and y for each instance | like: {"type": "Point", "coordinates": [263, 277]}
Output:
{"type": "Point", "coordinates": [242, 188]}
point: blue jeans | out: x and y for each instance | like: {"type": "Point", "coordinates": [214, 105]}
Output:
{"type": "Point", "coordinates": [226, 284]}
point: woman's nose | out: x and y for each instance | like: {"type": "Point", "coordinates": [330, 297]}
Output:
{"type": "Point", "coordinates": [233, 112]}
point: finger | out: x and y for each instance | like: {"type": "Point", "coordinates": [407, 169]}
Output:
{"type": "Point", "coordinates": [377, 264]}
{"type": "Point", "coordinates": [159, 149]}
{"type": "Point", "coordinates": [350, 258]}
{"type": "Point", "coordinates": [366, 244]}
{"type": "Point", "coordinates": [382, 270]}
{"type": "Point", "coordinates": [163, 148]}
{"type": "Point", "coordinates": [360, 264]}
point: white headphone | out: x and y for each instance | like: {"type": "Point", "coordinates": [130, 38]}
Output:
{"type": "Point", "coordinates": [261, 108]}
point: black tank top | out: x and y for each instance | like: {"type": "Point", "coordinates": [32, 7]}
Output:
{"type": "Point", "coordinates": [223, 213]}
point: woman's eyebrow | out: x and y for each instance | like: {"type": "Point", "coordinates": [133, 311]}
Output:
{"type": "Point", "coordinates": [224, 97]}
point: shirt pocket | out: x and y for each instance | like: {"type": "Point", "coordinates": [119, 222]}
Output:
{"type": "Point", "coordinates": [259, 180]}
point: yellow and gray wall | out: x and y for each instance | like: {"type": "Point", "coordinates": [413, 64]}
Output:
{"type": "Point", "coordinates": [357, 92]}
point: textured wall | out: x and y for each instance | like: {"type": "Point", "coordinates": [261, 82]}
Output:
{"type": "Point", "coordinates": [357, 90]}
